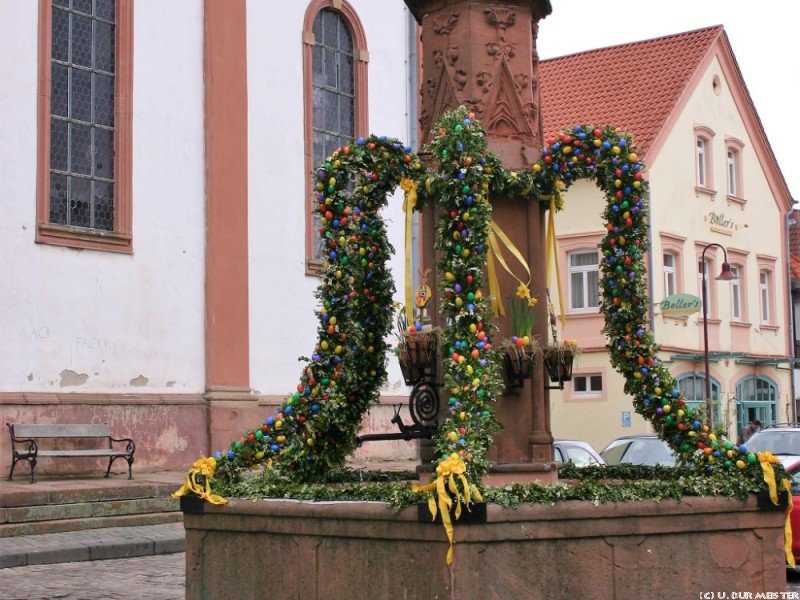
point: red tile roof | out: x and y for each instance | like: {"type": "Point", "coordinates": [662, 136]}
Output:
{"type": "Point", "coordinates": [794, 239]}
{"type": "Point", "coordinates": [794, 265]}
{"type": "Point", "coordinates": [634, 87]}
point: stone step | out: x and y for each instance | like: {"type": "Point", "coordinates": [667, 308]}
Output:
{"type": "Point", "coordinates": [41, 510]}
{"type": "Point", "coordinates": [10, 530]}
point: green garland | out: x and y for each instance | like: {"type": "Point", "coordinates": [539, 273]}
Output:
{"type": "Point", "coordinates": [315, 429]}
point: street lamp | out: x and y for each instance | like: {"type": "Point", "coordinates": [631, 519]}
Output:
{"type": "Point", "coordinates": [727, 274]}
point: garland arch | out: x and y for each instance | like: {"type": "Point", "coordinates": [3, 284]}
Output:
{"type": "Point", "coordinates": [316, 427]}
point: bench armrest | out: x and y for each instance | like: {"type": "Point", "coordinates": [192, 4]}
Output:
{"type": "Point", "coordinates": [130, 446]}
{"type": "Point", "coordinates": [31, 450]}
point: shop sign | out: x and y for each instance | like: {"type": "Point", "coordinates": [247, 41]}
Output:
{"type": "Point", "coordinates": [680, 305]}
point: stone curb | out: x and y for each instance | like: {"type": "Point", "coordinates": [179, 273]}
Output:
{"type": "Point", "coordinates": [92, 544]}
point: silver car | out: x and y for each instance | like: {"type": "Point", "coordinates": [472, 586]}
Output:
{"type": "Point", "coordinates": [639, 450]}
{"type": "Point", "coordinates": [782, 440]}
{"type": "Point", "coordinates": [580, 453]}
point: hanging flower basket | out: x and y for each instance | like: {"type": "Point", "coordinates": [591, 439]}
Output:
{"type": "Point", "coordinates": [558, 360]}
{"type": "Point", "coordinates": [518, 362]}
{"type": "Point", "coordinates": [418, 354]}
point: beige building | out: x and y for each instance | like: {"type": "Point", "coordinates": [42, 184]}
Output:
{"type": "Point", "coordinates": [716, 191]}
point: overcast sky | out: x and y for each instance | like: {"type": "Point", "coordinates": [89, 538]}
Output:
{"type": "Point", "coordinates": [765, 37]}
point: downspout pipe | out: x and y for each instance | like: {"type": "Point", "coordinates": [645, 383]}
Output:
{"type": "Point", "coordinates": [789, 221]}
{"type": "Point", "coordinates": [412, 116]}
{"type": "Point", "coordinates": [650, 268]}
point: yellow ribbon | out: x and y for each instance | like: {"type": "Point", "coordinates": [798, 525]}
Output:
{"type": "Point", "coordinates": [447, 471]}
{"type": "Point", "coordinates": [551, 256]}
{"type": "Point", "coordinates": [409, 202]}
{"type": "Point", "coordinates": [495, 237]}
{"type": "Point", "coordinates": [205, 467]}
{"type": "Point", "coordinates": [767, 459]}
{"type": "Point", "coordinates": [787, 526]}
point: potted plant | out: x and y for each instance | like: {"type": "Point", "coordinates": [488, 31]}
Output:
{"type": "Point", "coordinates": [520, 351]}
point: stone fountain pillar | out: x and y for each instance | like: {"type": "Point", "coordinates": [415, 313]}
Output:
{"type": "Point", "coordinates": [482, 54]}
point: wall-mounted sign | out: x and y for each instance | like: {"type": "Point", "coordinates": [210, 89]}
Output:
{"type": "Point", "coordinates": [720, 223]}
{"type": "Point", "coordinates": [680, 305]}
{"type": "Point", "coordinates": [626, 418]}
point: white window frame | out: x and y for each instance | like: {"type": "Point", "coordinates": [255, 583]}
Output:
{"type": "Point", "coordinates": [732, 170]}
{"type": "Point", "coordinates": [701, 282]}
{"type": "Point", "coordinates": [702, 164]}
{"type": "Point", "coordinates": [736, 295]}
{"type": "Point", "coordinates": [734, 149]}
{"type": "Point", "coordinates": [670, 274]}
{"type": "Point", "coordinates": [704, 158]}
{"type": "Point", "coordinates": [583, 271]}
{"type": "Point", "coordinates": [764, 294]}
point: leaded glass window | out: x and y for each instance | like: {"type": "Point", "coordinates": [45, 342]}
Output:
{"type": "Point", "coordinates": [333, 89]}
{"type": "Point", "coordinates": [82, 114]}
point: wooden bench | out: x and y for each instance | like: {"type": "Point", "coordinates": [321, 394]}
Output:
{"type": "Point", "coordinates": [24, 444]}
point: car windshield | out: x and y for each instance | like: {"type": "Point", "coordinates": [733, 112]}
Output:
{"type": "Point", "coordinates": [641, 451]}
{"type": "Point", "coordinates": [776, 441]}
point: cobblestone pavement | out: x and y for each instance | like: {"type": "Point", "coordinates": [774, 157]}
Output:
{"type": "Point", "coordinates": [158, 577]}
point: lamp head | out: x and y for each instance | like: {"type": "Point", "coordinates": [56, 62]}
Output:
{"type": "Point", "coordinates": [727, 273]}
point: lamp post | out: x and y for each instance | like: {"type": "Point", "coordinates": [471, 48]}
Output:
{"type": "Point", "coordinates": [726, 275]}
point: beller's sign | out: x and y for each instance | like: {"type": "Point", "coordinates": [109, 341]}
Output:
{"type": "Point", "coordinates": [680, 305]}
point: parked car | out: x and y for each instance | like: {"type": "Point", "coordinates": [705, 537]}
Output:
{"type": "Point", "coordinates": [639, 450]}
{"type": "Point", "coordinates": [782, 440]}
{"type": "Point", "coordinates": [580, 453]}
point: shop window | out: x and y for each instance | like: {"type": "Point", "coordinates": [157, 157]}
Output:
{"type": "Point", "coordinates": [693, 388]}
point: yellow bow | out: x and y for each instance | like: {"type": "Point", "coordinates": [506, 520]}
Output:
{"type": "Point", "coordinates": [448, 470]}
{"type": "Point", "coordinates": [205, 467]}
{"type": "Point", "coordinates": [409, 202]}
{"type": "Point", "coordinates": [767, 459]}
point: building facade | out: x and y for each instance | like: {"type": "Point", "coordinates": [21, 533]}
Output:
{"type": "Point", "coordinates": [716, 194]}
{"type": "Point", "coordinates": [155, 160]}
